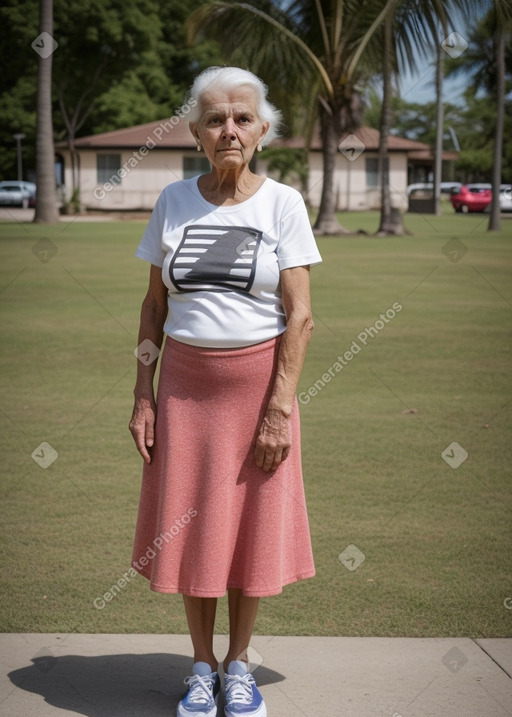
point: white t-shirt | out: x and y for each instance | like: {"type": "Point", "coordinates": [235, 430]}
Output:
{"type": "Point", "coordinates": [221, 264]}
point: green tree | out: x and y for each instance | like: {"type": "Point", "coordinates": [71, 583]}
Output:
{"type": "Point", "coordinates": [155, 87]}
{"type": "Point", "coordinates": [117, 64]}
{"type": "Point", "coordinates": [471, 125]}
{"type": "Point", "coordinates": [323, 50]}
{"type": "Point", "coordinates": [410, 32]}
{"type": "Point", "coordinates": [136, 65]}
{"type": "Point", "coordinates": [288, 163]}
{"type": "Point", "coordinates": [108, 40]}
{"type": "Point", "coordinates": [20, 27]}
{"type": "Point", "coordinates": [488, 61]}
{"type": "Point", "coordinates": [475, 128]}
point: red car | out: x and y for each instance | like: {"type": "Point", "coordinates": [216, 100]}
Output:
{"type": "Point", "coordinates": [471, 197]}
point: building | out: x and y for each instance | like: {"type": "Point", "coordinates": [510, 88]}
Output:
{"type": "Point", "coordinates": [356, 181]}
{"type": "Point", "coordinates": [126, 169]}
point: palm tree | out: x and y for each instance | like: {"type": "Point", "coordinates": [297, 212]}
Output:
{"type": "Point", "coordinates": [489, 44]}
{"type": "Point", "coordinates": [503, 25]}
{"type": "Point", "coordinates": [409, 32]}
{"type": "Point", "coordinates": [322, 50]}
{"type": "Point", "coordinates": [46, 200]}
{"type": "Point", "coordinates": [390, 221]}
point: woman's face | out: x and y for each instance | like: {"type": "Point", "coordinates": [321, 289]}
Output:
{"type": "Point", "coordinates": [229, 129]}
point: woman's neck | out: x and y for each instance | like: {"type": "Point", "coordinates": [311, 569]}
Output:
{"type": "Point", "coordinates": [229, 187]}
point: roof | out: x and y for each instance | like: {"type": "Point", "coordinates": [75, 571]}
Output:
{"type": "Point", "coordinates": [174, 133]}
{"type": "Point", "coordinates": [368, 136]}
{"type": "Point", "coordinates": [167, 133]}
{"type": "Point", "coordinates": [430, 154]}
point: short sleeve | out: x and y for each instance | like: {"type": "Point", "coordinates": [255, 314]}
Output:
{"type": "Point", "coordinates": [297, 245]}
{"type": "Point", "coordinates": [150, 247]}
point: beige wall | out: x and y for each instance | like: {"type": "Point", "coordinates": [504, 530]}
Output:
{"type": "Point", "coordinates": [143, 180]}
{"type": "Point", "coordinates": [350, 182]}
{"type": "Point", "coordinates": [145, 177]}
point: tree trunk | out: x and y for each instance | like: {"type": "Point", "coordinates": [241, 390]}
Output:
{"type": "Point", "coordinates": [46, 196]}
{"type": "Point", "coordinates": [326, 221]}
{"type": "Point", "coordinates": [495, 217]}
{"type": "Point", "coordinates": [74, 164]}
{"type": "Point", "coordinates": [438, 162]}
{"type": "Point", "coordinates": [391, 221]}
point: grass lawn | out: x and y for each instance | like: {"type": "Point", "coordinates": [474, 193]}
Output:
{"type": "Point", "coordinates": [406, 544]}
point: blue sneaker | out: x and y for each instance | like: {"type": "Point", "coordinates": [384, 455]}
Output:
{"type": "Point", "coordinates": [243, 698]}
{"type": "Point", "coordinates": [203, 693]}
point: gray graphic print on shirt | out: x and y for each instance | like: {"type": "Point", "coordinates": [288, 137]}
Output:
{"type": "Point", "coordinates": [215, 258]}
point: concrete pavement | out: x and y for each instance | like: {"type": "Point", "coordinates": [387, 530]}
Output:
{"type": "Point", "coordinates": [47, 675]}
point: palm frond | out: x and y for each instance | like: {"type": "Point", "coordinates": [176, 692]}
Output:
{"type": "Point", "coordinates": [421, 24]}
{"type": "Point", "coordinates": [369, 35]}
{"type": "Point", "coordinates": [248, 25]}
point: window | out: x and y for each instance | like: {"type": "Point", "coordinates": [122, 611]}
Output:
{"type": "Point", "coordinates": [372, 171]}
{"type": "Point", "coordinates": [108, 166]}
{"type": "Point", "coordinates": [192, 166]}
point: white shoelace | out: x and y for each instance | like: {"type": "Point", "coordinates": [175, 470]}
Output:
{"type": "Point", "coordinates": [201, 689]}
{"type": "Point", "coordinates": [239, 688]}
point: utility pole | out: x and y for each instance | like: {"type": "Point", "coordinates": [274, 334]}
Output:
{"type": "Point", "coordinates": [18, 138]}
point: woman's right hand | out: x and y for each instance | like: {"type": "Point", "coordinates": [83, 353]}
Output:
{"type": "Point", "coordinates": [142, 425]}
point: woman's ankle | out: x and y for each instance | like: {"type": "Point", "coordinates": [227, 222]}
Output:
{"type": "Point", "coordinates": [240, 657]}
{"type": "Point", "coordinates": [209, 659]}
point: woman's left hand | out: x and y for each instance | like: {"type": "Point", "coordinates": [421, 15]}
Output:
{"type": "Point", "coordinates": [274, 440]}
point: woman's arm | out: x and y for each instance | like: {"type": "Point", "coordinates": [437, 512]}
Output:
{"type": "Point", "coordinates": [274, 439]}
{"type": "Point", "coordinates": [152, 319]}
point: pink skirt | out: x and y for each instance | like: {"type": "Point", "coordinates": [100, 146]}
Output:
{"type": "Point", "coordinates": [210, 519]}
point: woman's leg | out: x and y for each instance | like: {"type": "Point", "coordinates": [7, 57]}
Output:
{"type": "Point", "coordinates": [201, 620]}
{"type": "Point", "coordinates": [242, 616]}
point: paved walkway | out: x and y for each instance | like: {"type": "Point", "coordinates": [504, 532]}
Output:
{"type": "Point", "coordinates": [46, 675]}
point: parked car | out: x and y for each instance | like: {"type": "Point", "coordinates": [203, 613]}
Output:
{"type": "Point", "coordinates": [419, 187]}
{"type": "Point", "coordinates": [471, 197]}
{"type": "Point", "coordinates": [446, 187]}
{"type": "Point", "coordinates": [506, 197]}
{"type": "Point", "coordinates": [18, 194]}
{"type": "Point", "coordinates": [421, 198]}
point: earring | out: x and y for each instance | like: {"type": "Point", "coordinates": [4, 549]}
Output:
{"type": "Point", "coordinates": [198, 148]}
{"type": "Point", "coordinates": [259, 148]}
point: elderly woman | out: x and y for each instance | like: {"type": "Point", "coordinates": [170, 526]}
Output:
{"type": "Point", "coordinates": [222, 503]}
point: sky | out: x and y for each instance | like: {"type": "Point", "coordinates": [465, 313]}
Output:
{"type": "Point", "coordinates": [420, 86]}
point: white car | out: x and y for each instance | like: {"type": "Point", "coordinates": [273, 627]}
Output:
{"type": "Point", "coordinates": [427, 187]}
{"type": "Point", "coordinates": [506, 198]}
{"type": "Point", "coordinates": [18, 194]}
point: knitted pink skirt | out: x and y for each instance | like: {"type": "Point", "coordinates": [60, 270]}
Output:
{"type": "Point", "coordinates": [210, 519]}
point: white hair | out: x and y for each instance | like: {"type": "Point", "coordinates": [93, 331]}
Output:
{"type": "Point", "coordinates": [228, 78]}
